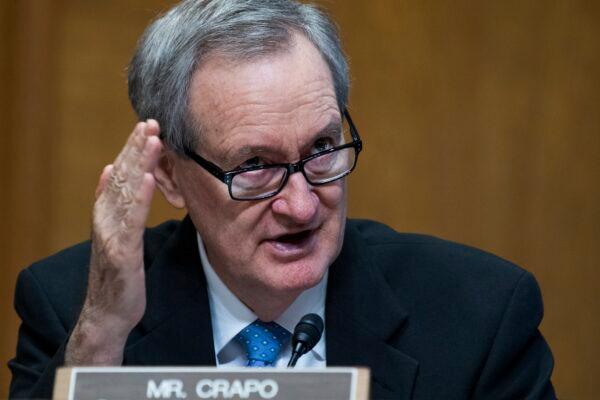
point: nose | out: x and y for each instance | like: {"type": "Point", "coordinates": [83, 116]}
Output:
{"type": "Point", "coordinates": [297, 201]}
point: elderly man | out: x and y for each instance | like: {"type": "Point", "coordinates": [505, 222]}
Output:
{"type": "Point", "coordinates": [244, 124]}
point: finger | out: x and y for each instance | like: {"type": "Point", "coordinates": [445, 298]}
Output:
{"type": "Point", "coordinates": [153, 147]}
{"type": "Point", "coordinates": [142, 151]}
{"type": "Point", "coordinates": [139, 214]}
{"type": "Point", "coordinates": [151, 155]}
{"type": "Point", "coordinates": [103, 181]}
{"type": "Point", "coordinates": [136, 164]}
{"type": "Point", "coordinates": [136, 137]}
{"type": "Point", "coordinates": [130, 166]}
{"type": "Point", "coordinates": [120, 195]}
{"type": "Point", "coordinates": [137, 140]}
{"type": "Point", "coordinates": [141, 159]}
{"type": "Point", "coordinates": [152, 128]}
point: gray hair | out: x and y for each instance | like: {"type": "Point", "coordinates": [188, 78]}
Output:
{"type": "Point", "coordinates": [176, 43]}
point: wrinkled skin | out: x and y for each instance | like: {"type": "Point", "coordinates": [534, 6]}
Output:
{"type": "Point", "coordinates": [280, 104]}
{"type": "Point", "coordinates": [267, 252]}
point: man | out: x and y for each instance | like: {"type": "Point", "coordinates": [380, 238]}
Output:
{"type": "Point", "coordinates": [243, 110]}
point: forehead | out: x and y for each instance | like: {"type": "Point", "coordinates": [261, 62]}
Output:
{"type": "Point", "coordinates": [290, 91]}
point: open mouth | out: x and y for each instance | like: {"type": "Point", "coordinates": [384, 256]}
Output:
{"type": "Point", "coordinates": [294, 244]}
{"type": "Point", "coordinates": [297, 238]}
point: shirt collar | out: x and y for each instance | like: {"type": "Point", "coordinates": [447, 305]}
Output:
{"type": "Point", "coordinates": [229, 315]}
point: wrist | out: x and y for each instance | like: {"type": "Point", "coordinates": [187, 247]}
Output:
{"type": "Point", "coordinates": [95, 344]}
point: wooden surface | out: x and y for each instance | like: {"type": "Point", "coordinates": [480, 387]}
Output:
{"type": "Point", "coordinates": [480, 122]}
{"type": "Point", "coordinates": [62, 384]}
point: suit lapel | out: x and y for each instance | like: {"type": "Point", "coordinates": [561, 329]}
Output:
{"type": "Point", "coordinates": [176, 328]}
{"type": "Point", "coordinates": [363, 317]}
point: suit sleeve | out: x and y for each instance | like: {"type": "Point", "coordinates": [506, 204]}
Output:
{"type": "Point", "coordinates": [519, 363]}
{"type": "Point", "coordinates": [41, 342]}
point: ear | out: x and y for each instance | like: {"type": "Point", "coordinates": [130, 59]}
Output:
{"type": "Point", "coordinates": [166, 181]}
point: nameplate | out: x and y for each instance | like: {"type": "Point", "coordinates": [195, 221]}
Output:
{"type": "Point", "coordinates": [191, 383]}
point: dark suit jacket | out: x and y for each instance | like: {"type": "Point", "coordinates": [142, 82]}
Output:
{"type": "Point", "coordinates": [432, 319]}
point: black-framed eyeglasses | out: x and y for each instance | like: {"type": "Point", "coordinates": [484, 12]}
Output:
{"type": "Point", "coordinates": [264, 181]}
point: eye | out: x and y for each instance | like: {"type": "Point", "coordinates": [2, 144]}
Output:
{"type": "Point", "coordinates": [322, 144]}
{"type": "Point", "coordinates": [251, 162]}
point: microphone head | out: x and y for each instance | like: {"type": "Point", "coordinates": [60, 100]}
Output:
{"type": "Point", "coordinates": [308, 332]}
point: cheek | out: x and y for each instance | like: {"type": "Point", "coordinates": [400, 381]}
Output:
{"type": "Point", "coordinates": [226, 225]}
{"type": "Point", "coordinates": [208, 203]}
{"type": "Point", "coordinates": [333, 199]}
{"type": "Point", "coordinates": [201, 194]}
{"type": "Point", "coordinates": [230, 228]}
{"type": "Point", "coordinates": [334, 202]}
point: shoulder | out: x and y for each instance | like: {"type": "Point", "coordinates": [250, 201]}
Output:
{"type": "Point", "coordinates": [426, 253]}
{"type": "Point", "coordinates": [74, 259]}
{"type": "Point", "coordinates": [62, 277]}
{"type": "Point", "coordinates": [464, 306]}
{"type": "Point", "coordinates": [443, 274]}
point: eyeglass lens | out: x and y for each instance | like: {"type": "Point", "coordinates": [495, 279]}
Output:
{"type": "Point", "coordinates": [319, 170]}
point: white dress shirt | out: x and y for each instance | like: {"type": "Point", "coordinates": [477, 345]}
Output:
{"type": "Point", "coordinates": [229, 316]}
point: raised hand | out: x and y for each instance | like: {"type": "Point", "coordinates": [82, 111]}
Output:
{"type": "Point", "coordinates": [116, 294]}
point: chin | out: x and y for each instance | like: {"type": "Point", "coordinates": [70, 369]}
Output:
{"type": "Point", "coordinates": [300, 276]}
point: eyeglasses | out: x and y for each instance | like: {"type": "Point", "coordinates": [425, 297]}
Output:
{"type": "Point", "coordinates": [264, 181]}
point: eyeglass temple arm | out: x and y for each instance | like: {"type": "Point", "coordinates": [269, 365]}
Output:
{"type": "Point", "coordinates": [210, 167]}
{"type": "Point", "coordinates": [353, 130]}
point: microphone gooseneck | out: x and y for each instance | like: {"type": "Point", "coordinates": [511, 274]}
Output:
{"type": "Point", "coordinates": [307, 334]}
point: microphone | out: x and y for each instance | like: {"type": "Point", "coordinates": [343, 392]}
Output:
{"type": "Point", "coordinates": [307, 333]}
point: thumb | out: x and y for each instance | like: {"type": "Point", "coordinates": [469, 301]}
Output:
{"type": "Point", "coordinates": [102, 182]}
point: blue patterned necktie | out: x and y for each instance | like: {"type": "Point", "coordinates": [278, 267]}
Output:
{"type": "Point", "coordinates": [263, 342]}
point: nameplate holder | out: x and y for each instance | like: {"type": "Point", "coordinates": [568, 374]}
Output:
{"type": "Point", "coordinates": [192, 383]}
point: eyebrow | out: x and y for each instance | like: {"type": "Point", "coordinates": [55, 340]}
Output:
{"type": "Point", "coordinates": [332, 128]}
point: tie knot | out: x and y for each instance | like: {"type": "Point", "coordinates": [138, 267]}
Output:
{"type": "Point", "coordinates": [263, 342]}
